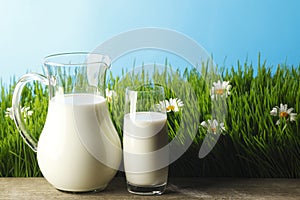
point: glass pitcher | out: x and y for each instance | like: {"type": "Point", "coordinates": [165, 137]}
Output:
{"type": "Point", "coordinates": [79, 148]}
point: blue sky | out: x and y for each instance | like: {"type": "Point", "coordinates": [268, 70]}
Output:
{"type": "Point", "coordinates": [231, 30]}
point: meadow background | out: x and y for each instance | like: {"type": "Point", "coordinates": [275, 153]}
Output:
{"type": "Point", "coordinates": [252, 145]}
{"type": "Point", "coordinates": [233, 31]}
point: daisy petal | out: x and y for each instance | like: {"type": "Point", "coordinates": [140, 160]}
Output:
{"type": "Point", "coordinates": [274, 112]}
{"type": "Point", "coordinates": [204, 124]}
{"type": "Point", "coordinates": [293, 116]}
{"type": "Point", "coordinates": [290, 110]}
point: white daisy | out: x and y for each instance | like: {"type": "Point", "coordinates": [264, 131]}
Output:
{"type": "Point", "coordinates": [220, 89]}
{"type": "Point", "coordinates": [283, 113]}
{"type": "Point", "coordinates": [213, 126]}
{"type": "Point", "coordinates": [25, 111]}
{"type": "Point", "coordinates": [174, 104]}
{"type": "Point", "coordinates": [171, 105]}
{"type": "Point", "coordinates": [109, 94]}
{"type": "Point", "coordinates": [9, 113]}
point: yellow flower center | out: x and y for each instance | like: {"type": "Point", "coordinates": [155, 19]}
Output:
{"type": "Point", "coordinates": [283, 114]}
{"type": "Point", "coordinates": [109, 99]}
{"type": "Point", "coordinates": [171, 107]}
{"type": "Point", "coordinates": [214, 129]}
{"type": "Point", "coordinates": [220, 91]}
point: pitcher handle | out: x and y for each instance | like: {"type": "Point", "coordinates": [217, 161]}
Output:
{"type": "Point", "coordinates": [31, 142]}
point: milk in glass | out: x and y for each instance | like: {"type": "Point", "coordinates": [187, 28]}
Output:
{"type": "Point", "coordinates": [145, 140]}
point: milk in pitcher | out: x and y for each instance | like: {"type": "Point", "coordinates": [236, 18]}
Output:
{"type": "Point", "coordinates": [63, 158]}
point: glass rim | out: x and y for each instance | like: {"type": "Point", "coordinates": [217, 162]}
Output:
{"type": "Point", "coordinates": [47, 59]}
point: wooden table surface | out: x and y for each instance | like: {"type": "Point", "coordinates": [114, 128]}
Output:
{"type": "Point", "coordinates": [178, 188]}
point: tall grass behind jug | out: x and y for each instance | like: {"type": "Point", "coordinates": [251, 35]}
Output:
{"type": "Point", "coordinates": [253, 145]}
{"type": "Point", "coordinates": [16, 158]}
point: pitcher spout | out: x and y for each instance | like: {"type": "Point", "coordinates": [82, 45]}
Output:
{"type": "Point", "coordinates": [97, 66]}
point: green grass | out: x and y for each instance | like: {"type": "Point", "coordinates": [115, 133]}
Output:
{"type": "Point", "coordinates": [16, 158]}
{"type": "Point", "coordinates": [252, 145]}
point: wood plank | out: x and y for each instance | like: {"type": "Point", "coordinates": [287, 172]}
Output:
{"type": "Point", "coordinates": [178, 188]}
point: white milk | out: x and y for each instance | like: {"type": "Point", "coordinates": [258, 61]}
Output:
{"type": "Point", "coordinates": [63, 159]}
{"type": "Point", "coordinates": [145, 134]}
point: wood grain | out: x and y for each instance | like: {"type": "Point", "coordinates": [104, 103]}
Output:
{"type": "Point", "coordinates": [178, 188]}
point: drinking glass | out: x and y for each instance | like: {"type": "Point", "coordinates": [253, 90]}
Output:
{"type": "Point", "coordinates": [145, 139]}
